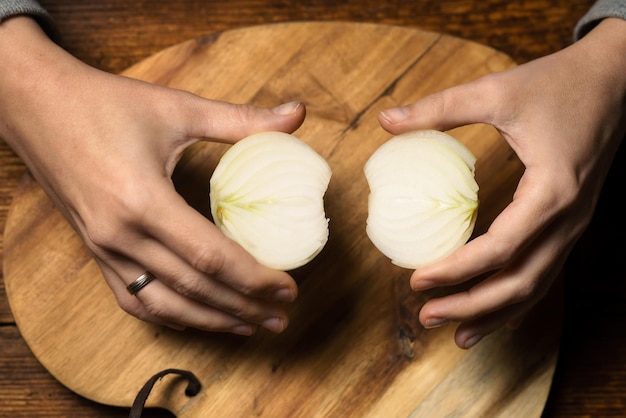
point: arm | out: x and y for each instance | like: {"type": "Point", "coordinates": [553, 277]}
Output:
{"type": "Point", "coordinates": [564, 115]}
{"type": "Point", "coordinates": [103, 147]}
{"type": "Point", "coordinates": [10, 8]}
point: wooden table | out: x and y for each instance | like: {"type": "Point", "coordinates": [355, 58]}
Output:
{"type": "Point", "coordinates": [114, 34]}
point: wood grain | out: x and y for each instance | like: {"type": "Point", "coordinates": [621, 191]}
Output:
{"type": "Point", "coordinates": [353, 347]}
{"type": "Point", "coordinates": [114, 34]}
{"type": "Point", "coordinates": [125, 30]}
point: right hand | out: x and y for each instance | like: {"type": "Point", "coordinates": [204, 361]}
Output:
{"type": "Point", "coordinates": [564, 117]}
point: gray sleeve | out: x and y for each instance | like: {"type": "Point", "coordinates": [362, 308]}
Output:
{"type": "Point", "coordinates": [9, 8]}
{"type": "Point", "coordinates": [600, 10]}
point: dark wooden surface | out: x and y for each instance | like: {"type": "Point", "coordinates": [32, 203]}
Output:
{"type": "Point", "coordinates": [113, 34]}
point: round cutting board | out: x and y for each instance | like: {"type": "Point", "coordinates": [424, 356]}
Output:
{"type": "Point", "coordinates": [354, 347]}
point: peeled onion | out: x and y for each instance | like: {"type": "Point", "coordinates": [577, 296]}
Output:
{"type": "Point", "coordinates": [267, 195]}
{"type": "Point", "coordinates": [423, 198]}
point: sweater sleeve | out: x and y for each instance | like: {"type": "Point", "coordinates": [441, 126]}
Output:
{"type": "Point", "coordinates": [600, 10]}
{"type": "Point", "coordinates": [10, 8]}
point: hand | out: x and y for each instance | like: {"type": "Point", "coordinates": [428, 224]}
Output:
{"type": "Point", "coordinates": [104, 147]}
{"type": "Point", "coordinates": [564, 116]}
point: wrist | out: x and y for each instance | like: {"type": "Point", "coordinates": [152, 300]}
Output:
{"type": "Point", "coordinates": [605, 48]}
{"type": "Point", "coordinates": [22, 44]}
{"type": "Point", "coordinates": [34, 69]}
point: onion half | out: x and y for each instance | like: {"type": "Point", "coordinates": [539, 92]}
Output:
{"type": "Point", "coordinates": [423, 198]}
{"type": "Point", "coordinates": [266, 194]}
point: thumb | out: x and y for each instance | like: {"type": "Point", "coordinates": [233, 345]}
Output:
{"type": "Point", "coordinates": [464, 104]}
{"type": "Point", "coordinates": [227, 122]}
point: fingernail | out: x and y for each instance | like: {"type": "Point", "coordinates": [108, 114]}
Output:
{"type": "Point", "coordinates": [422, 285]}
{"type": "Point", "coordinates": [243, 329]}
{"type": "Point", "coordinates": [274, 324]}
{"type": "Point", "coordinates": [472, 341]}
{"type": "Point", "coordinates": [395, 114]}
{"type": "Point", "coordinates": [286, 108]}
{"type": "Point", "coordinates": [284, 295]}
{"type": "Point", "coordinates": [434, 322]}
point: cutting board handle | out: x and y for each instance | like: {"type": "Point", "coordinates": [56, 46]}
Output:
{"type": "Point", "coordinates": [193, 388]}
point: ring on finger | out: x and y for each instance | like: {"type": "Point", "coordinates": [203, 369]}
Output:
{"type": "Point", "coordinates": [141, 282]}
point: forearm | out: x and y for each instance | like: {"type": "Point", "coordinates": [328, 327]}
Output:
{"type": "Point", "coordinates": [34, 73]}
{"type": "Point", "coordinates": [603, 53]}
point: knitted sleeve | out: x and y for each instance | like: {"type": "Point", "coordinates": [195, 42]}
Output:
{"type": "Point", "coordinates": [600, 10]}
{"type": "Point", "coordinates": [9, 8]}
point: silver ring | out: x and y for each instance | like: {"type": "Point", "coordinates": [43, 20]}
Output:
{"type": "Point", "coordinates": [141, 282]}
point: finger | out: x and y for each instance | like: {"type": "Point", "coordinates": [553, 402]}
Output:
{"type": "Point", "coordinates": [163, 302]}
{"type": "Point", "coordinates": [464, 104]}
{"type": "Point", "coordinates": [468, 334]}
{"type": "Point", "coordinates": [128, 302]}
{"type": "Point", "coordinates": [533, 208]}
{"type": "Point", "coordinates": [493, 294]}
{"type": "Point", "coordinates": [198, 241]}
{"type": "Point", "coordinates": [182, 278]}
{"type": "Point", "coordinates": [524, 282]}
{"type": "Point", "coordinates": [159, 304]}
{"type": "Point", "coordinates": [226, 122]}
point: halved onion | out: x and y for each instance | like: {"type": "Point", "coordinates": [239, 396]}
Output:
{"type": "Point", "coordinates": [423, 198]}
{"type": "Point", "coordinates": [267, 195]}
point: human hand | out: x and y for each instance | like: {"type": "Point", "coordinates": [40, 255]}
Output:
{"type": "Point", "coordinates": [104, 147]}
{"type": "Point", "coordinates": [564, 116]}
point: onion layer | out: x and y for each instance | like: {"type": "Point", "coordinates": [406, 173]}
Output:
{"type": "Point", "coordinates": [423, 198]}
{"type": "Point", "coordinates": [267, 195]}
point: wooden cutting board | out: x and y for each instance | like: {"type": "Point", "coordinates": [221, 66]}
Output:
{"type": "Point", "coordinates": [354, 347]}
